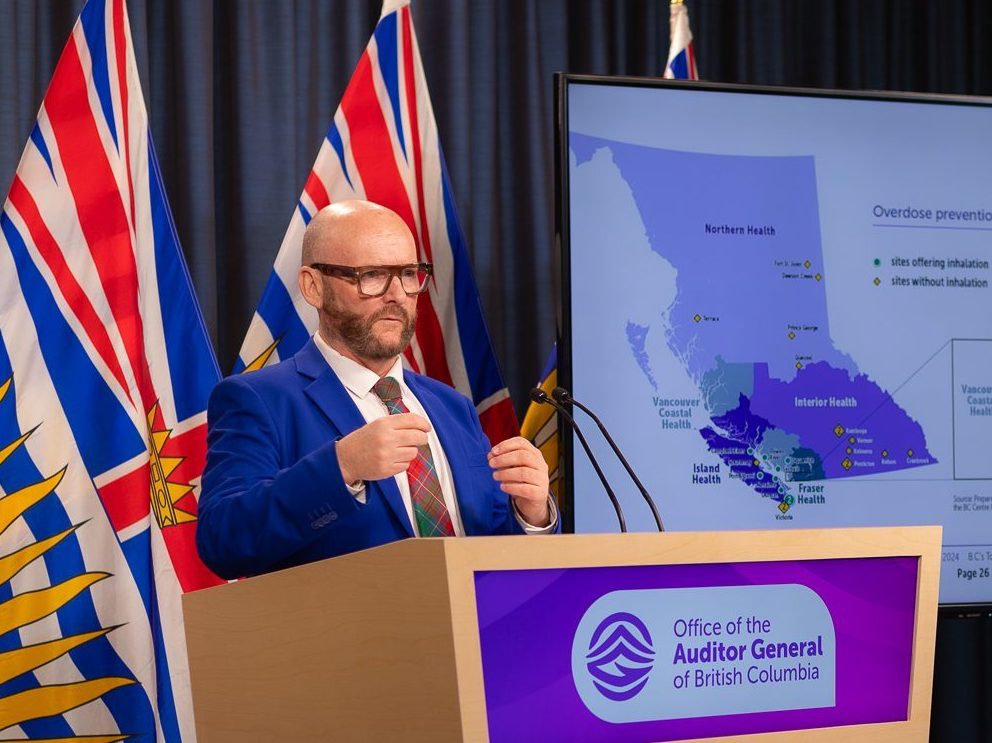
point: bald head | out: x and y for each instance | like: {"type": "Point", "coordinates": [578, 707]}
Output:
{"type": "Point", "coordinates": [356, 233]}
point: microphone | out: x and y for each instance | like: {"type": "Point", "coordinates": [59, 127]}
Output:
{"type": "Point", "coordinates": [541, 398]}
{"type": "Point", "coordinates": [564, 397]}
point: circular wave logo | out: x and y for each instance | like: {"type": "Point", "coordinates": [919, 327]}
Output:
{"type": "Point", "coordinates": [620, 656]}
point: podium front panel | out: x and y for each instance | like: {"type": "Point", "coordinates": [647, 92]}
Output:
{"type": "Point", "coordinates": [676, 652]}
{"type": "Point", "coordinates": [803, 636]}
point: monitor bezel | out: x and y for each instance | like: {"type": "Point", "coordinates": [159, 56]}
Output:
{"type": "Point", "coordinates": [562, 83]}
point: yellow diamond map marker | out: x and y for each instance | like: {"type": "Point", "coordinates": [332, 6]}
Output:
{"type": "Point", "coordinates": [838, 430]}
{"type": "Point", "coordinates": [847, 463]}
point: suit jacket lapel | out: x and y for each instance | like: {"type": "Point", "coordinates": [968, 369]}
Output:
{"type": "Point", "coordinates": [333, 400]}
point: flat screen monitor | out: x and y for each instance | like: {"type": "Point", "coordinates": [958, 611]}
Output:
{"type": "Point", "coordinates": [778, 302]}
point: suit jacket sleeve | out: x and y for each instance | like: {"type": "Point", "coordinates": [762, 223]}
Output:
{"type": "Point", "coordinates": [257, 509]}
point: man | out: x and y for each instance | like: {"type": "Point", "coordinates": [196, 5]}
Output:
{"type": "Point", "coordinates": [337, 448]}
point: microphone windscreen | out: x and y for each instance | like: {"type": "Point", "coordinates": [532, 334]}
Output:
{"type": "Point", "coordinates": [538, 395]}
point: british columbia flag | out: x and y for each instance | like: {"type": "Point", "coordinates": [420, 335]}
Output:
{"type": "Point", "coordinates": [681, 63]}
{"type": "Point", "coordinates": [105, 370]}
{"type": "Point", "coordinates": [383, 146]}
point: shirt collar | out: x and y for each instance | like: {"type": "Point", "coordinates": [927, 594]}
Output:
{"type": "Point", "coordinates": [357, 379]}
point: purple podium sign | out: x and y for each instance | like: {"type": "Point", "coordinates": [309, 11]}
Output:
{"type": "Point", "coordinates": [669, 652]}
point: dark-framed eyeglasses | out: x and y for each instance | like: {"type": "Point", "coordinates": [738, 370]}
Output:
{"type": "Point", "coordinates": [374, 281]}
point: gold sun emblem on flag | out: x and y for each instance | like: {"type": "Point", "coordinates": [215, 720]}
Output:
{"type": "Point", "coordinates": [29, 606]}
{"type": "Point", "coordinates": [165, 494]}
{"type": "Point", "coordinates": [262, 359]}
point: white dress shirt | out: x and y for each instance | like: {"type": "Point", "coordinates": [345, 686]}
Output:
{"type": "Point", "coordinates": [359, 380]}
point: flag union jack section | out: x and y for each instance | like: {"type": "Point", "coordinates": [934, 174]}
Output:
{"type": "Point", "coordinates": [383, 146]}
{"type": "Point", "coordinates": [105, 370]}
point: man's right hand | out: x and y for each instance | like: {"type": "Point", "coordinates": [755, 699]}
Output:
{"type": "Point", "coordinates": [382, 448]}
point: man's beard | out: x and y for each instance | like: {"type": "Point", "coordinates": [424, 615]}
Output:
{"type": "Point", "coordinates": [356, 331]}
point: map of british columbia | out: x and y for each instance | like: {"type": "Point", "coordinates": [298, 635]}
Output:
{"type": "Point", "coordinates": [749, 321]}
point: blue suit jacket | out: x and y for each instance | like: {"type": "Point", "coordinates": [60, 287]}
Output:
{"type": "Point", "coordinates": [273, 495]}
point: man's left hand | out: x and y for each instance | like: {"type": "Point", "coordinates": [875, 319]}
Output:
{"type": "Point", "coordinates": [522, 473]}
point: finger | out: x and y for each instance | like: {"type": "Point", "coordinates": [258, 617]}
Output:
{"type": "Point", "coordinates": [409, 437]}
{"type": "Point", "coordinates": [407, 421]}
{"type": "Point", "coordinates": [527, 492]}
{"type": "Point", "coordinates": [401, 457]}
{"type": "Point", "coordinates": [516, 459]}
{"type": "Point", "coordinates": [522, 475]}
{"type": "Point", "coordinates": [517, 443]}
{"type": "Point", "coordinates": [384, 470]}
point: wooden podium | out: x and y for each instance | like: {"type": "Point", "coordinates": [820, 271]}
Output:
{"type": "Point", "coordinates": [385, 644]}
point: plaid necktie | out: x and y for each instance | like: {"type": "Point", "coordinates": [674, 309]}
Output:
{"type": "Point", "coordinates": [429, 511]}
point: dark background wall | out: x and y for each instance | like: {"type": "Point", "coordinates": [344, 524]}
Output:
{"type": "Point", "coordinates": [240, 93]}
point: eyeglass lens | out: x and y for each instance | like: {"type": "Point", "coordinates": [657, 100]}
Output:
{"type": "Point", "coordinates": [376, 281]}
